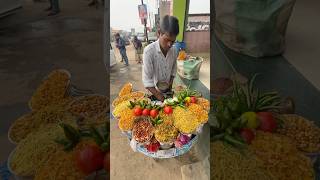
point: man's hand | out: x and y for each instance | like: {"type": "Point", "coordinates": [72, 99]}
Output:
{"type": "Point", "coordinates": [156, 93]}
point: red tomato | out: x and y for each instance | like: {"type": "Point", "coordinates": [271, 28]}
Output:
{"type": "Point", "coordinates": [106, 162]}
{"type": "Point", "coordinates": [137, 111]}
{"type": "Point", "coordinates": [267, 121]}
{"type": "Point", "coordinates": [247, 135]}
{"type": "Point", "coordinates": [154, 147]}
{"type": "Point", "coordinates": [146, 112]}
{"type": "Point", "coordinates": [154, 113]}
{"type": "Point", "coordinates": [167, 109]}
{"type": "Point", "coordinates": [89, 159]}
{"type": "Point", "coordinates": [193, 99]}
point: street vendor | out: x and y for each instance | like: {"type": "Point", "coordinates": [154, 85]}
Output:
{"type": "Point", "coordinates": [159, 59]}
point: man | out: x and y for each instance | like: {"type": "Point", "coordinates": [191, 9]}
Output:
{"type": "Point", "coordinates": [121, 45]}
{"type": "Point", "coordinates": [54, 7]}
{"type": "Point", "coordinates": [159, 59]}
{"type": "Point", "coordinates": [138, 47]}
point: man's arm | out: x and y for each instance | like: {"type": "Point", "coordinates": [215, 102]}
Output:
{"type": "Point", "coordinates": [148, 75]}
{"type": "Point", "coordinates": [171, 82]}
{"type": "Point", "coordinates": [173, 71]}
{"type": "Point", "coordinates": [117, 44]}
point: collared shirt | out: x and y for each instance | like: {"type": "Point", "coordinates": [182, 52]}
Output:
{"type": "Point", "coordinates": [156, 67]}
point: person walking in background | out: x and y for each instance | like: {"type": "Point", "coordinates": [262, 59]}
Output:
{"type": "Point", "coordinates": [138, 47]}
{"type": "Point", "coordinates": [54, 7]}
{"type": "Point", "coordinates": [121, 45]}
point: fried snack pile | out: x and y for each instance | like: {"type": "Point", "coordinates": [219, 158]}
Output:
{"type": "Point", "coordinates": [303, 132]}
{"type": "Point", "coordinates": [281, 157]}
{"type": "Point", "coordinates": [89, 106]}
{"type": "Point", "coordinates": [34, 151]}
{"type": "Point", "coordinates": [229, 163]}
{"type": "Point", "coordinates": [51, 91]}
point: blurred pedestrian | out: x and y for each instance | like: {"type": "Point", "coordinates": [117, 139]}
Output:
{"type": "Point", "coordinates": [121, 45]}
{"type": "Point", "coordinates": [54, 7]}
{"type": "Point", "coordinates": [138, 47]}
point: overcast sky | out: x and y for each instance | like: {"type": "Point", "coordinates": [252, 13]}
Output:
{"type": "Point", "coordinates": [124, 13]}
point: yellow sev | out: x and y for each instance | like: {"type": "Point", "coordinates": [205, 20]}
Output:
{"type": "Point", "coordinates": [126, 89]}
{"type": "Point", "coordinates": [126, 120]}
{"type": "Point", "coordinates": [166, 132]}
{"type": "Point", "coordinates": [120, 108]}
{"type": "Point", "coordinates": [51, 91]}
{"type": "Point", "coordinates": [204, 103]}
{"type": "Point", "coordinates": [61, 165]}
{"type": "Point", "coordinates": [33, 151]}
{"type": "Point", "coordinates": [185, 120]}
{"type": "Point", "coordinates": [199, 112]}
{"type": "Point", "coordinates": [281, 158]}
{"type": "Point", "coordinates": [229, 163]}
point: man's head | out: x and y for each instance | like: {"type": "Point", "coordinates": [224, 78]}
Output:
{"type": "Point", "coordinates": [169, 29]}
{"type": "Point", "coordinates": [117, 35]}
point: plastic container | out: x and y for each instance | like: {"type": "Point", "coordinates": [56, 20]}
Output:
{"type": "Point", "coordinates": [166, 145]}
{"type": "Point", "coordinates": [164, 152]}
{"type": "Point", "coordinates": [168, 153]}
{"type": "Point", "coordinates": [189, 68]}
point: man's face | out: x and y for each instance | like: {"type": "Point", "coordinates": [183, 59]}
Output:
{"type": "Point", "coordinates": [166, 41]}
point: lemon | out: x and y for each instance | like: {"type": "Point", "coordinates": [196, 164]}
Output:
{"type": "Point", "coordinates": [251, 119]}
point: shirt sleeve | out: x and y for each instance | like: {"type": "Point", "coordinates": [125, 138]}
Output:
{"type": "Point", "coordinates": [174, 66]}
{"type": "Point", "coordinates": [147, 70]}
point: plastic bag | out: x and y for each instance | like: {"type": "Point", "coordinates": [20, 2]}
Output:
{"type": "Point", "coordinates": [190, 68]}
{"type": "Point", "coordinates": [253, 27]}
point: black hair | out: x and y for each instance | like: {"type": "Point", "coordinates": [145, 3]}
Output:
{"type": "Point", "coordinates": [117, 34]}
{"type": "Point", "coordinates": [169, 24]}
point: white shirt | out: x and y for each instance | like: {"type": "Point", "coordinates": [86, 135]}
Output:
{"type": "Point", "coordinates": [156, 67]}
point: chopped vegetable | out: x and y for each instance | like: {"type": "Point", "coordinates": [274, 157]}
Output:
{"type": "Point", "coordinates": [142, 129]}
{"type": "Point", "coordinates": [184, 139]}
